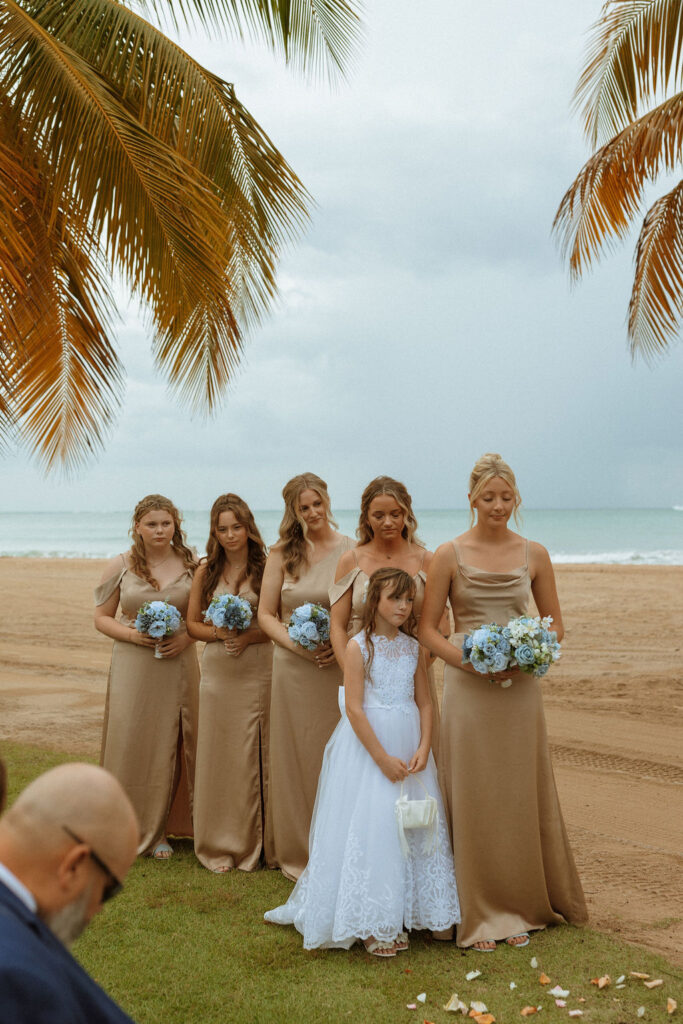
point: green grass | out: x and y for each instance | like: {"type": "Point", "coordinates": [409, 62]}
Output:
{"type": "Point", "coordinates": [184, 946]}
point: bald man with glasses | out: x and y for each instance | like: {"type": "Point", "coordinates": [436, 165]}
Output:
{"type": "Point", "coordinates": [66, 845]}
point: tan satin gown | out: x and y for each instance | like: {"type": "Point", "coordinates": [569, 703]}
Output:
{"type": "Point", "coordinates": [357, 579]}
{"type": "Point", "coordinates": [150, 715]}
{"type": "Point", "coordinates": [304, 710]}
{"type": "Point", "coordinates": [231, 779]}
{"type": "Point", "coordinates": [513, 863]}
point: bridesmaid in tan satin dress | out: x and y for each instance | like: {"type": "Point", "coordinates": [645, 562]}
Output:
{"type": "Point", "coordinates": [513, 863]}
{"type": "Point", "coordinates": [150, 720]}
{"type": "Point", "coordinates": [304, 708]}
{"type": "Point", "coordinates": [386, 531]}
{"type": "Point", "coordinates": [231, 778]}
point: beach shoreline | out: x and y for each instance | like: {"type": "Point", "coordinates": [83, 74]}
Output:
{"type": "Point", "coordinates": [614, 707]}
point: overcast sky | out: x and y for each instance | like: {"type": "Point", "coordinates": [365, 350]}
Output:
{"type": "Point", "coordinates": [426, 316]}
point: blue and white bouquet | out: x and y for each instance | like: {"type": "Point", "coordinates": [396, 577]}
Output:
{"type": "Point", "coordinates": [309, 626]}
{"type": "Point", "coordinates": [229, 612]}
{"type": "Point", "coordinates": [487, 650]}
{"type": "Point", "coordinates": [534, 645]}
{"type": "Point", "coordinates": [158, 619]}
{"type": "Point", "coordinates": [526, 643]}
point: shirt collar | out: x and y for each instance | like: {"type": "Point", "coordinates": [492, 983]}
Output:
{"type": "Point", "coordinates": [18, 888]}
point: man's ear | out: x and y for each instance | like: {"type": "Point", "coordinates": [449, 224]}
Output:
{"type": "Point", "coordinates": [72, 871]}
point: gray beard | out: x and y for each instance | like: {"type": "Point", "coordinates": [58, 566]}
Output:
{"type": "Point", "coordinates": [68, 923]}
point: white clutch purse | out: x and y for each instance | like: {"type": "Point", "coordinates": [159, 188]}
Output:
{"type": "Point", "coordinates": [416, 814]}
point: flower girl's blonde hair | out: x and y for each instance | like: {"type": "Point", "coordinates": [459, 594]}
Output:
{"type": "Point", "coordinates": [485, 469]}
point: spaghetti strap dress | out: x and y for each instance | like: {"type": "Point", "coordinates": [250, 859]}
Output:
{"type": "Point", "coordinates": [356, 580]}
{"type": "Point", "coordinates": [304, 710]}
{"type": "Point", "coordinates": [513, 861]}
{"type": "Point", "coordinates": [231, 782]}
{"type": "Point", "coordinates": [150, 719]}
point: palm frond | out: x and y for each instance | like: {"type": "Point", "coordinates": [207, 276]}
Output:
{"type": "Point", "coordinates": [656, 302]}
{"type": "Point", "coordinates": [635, 51]}
{"type": "Point", "coordinates": [159, 156]}
{"type": "Point", "coordinates": [67, 378]}
{"type": "Point", "coordinates": [600, 204]}
{"type": "Point", "coordinates": [318, 37]}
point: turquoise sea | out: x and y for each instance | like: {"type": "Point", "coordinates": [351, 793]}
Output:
{"type": "Point", "coordinates": [615, 536]}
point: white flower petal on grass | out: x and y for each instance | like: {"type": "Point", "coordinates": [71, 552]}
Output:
{"type": "Point", "coordinates": [534, 962]}
{"type": "Point", "coordinates": [471, 975]}
{"type": "Point", "coordinates": [621, 979]}
{"type": "Point", "coordinates": [653, 984]}
{"type": "Point", "coordinates": [621, 986]}
{"type": "Point", "coordinates": [478, 1007]}
{"type": "Point", "coordinates": [422, 998]}
{"type": "Point", "coordinates": [456, 1005]}
{"type": "Point", "coordinates": [560, 992]}
{"type": "Point", "coordinates": [640, 1012]}
{"type": "Point", "coordinates": [513, 984]}
{"type": "Point", "coordinates": [576, 1013]}
{"type": "Point", "coordinates": [561, 1003]}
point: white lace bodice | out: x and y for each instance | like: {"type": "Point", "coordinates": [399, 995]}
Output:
{"type": "Point", "coordinates": [392, 673]}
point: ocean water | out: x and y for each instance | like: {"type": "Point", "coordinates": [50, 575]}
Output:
{"type": "Point", "coordinates": [611, 536]}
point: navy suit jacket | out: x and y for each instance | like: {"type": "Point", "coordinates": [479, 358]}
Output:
{"type": "Point", "coordinates": [40, 982]}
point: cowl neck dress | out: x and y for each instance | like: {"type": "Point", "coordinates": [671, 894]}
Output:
{"type": "Point", "coordinates": [150, 719]}
{"type": "Point", "coordinates": [513, 861]}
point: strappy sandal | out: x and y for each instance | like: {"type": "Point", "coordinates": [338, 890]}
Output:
{"type": "Point", "coordinates": [484, 949]}
{"type": "Point", "coordinates": [518, 945]}
{"type": "Point", "coordinates": [378, 948]}
{"type": "Point", "coordinates": [162, 851]}
{"type": "Point", "coordinates": [402, 942]}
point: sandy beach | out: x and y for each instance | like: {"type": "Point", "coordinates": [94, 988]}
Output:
{"type": "Point", "coordinates": [614, 706]}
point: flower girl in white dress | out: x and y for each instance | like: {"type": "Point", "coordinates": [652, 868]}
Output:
{"type": "Point", "coordinates": [361, 881]}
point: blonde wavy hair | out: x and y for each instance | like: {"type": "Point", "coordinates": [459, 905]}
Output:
{"type": "Point", "coordinates": [138, 559]}
{"type": "Point", "coordinates": [396, 490]}
{"type": "Point", "coordinates": [485, 469]}
{"type": "Point", "coordinates": [293, 532]}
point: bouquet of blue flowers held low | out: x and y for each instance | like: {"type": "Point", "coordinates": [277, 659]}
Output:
{"type": "Point", "coordinates": [158, 619]}
{"type": "Point", "coordinates": [526, 643]}
{"type": "Point", "coordinates": [309, 626]}
{"type": "Point", "coordinates": [229, 612]}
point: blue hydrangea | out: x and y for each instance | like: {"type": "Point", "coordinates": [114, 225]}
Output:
{"type": "Point", "coordinates": [157, 619]}
{"type": "Point", "coordinates": [229, 611]}
{"type": "Point", "coordinates": [309, 626]}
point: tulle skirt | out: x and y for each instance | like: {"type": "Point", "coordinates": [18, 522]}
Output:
{"type": "Point", "coordinates": [358, 882]}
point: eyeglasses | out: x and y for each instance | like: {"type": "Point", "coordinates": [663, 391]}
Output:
{"type": "Point", "coordinates": [113, 886]}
